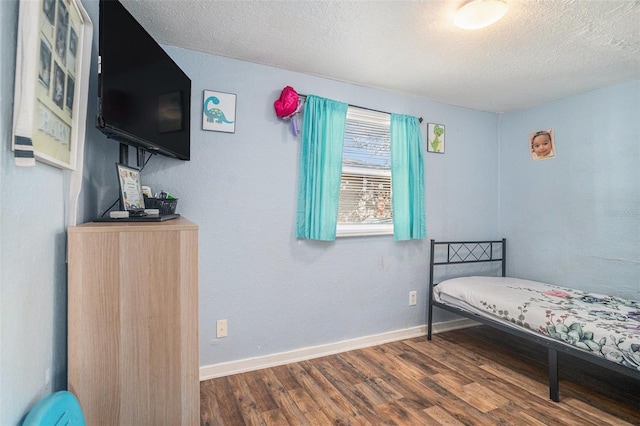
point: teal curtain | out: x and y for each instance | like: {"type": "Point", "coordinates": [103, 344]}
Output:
{"type": "Point", "coordinates": [320, 168]}
{"type": "Point", "coordinates": [407, 178]}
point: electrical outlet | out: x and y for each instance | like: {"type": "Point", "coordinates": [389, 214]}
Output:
{"type": "Point", "coordinates": [221, 328]}
{"type": "Point", "coordinates": [413, 298]}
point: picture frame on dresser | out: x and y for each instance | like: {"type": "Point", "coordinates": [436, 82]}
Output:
{"type": "Point", "coordinates": [131, 196]}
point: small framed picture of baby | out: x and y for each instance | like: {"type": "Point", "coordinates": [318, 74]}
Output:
{"type": "Point", "coordinates": [542, 144]}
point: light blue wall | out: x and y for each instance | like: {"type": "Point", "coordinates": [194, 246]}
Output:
{"type": "Point", "coordinates": [32, 260]}
{"type": "Point", "coordinates": [279, 294]}
{"type": "Point", "coordinates": [574, 220]}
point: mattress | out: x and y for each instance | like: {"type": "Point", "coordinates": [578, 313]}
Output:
{"type": "Point", "coordinates": [606, 326]}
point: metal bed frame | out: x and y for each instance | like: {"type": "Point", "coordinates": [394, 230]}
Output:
{"type": "Point", "coordinates": [471, 252]}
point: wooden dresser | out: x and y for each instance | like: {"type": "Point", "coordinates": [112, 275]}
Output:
{"type": "Point", "coordinates": [133, 322]}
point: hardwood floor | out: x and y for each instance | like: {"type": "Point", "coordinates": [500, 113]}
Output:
{"type": "Point", "coordinates": [475, 376]}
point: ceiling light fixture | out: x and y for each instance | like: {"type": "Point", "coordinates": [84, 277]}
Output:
{"type": "Point", "coordinates": [477, 14]}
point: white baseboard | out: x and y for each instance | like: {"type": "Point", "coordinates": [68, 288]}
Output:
{"type": "Point", "coordinates": [251, 364]}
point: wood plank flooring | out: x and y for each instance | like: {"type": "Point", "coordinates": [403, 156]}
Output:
{"type": "Point", "coordinates": [475, 376]}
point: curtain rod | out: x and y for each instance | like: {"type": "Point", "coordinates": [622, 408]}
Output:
{"type": "Point", "coordinates": [368, 109]}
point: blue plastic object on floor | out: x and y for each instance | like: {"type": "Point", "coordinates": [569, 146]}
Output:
{"type": "Point", "coordinates": [58, 409]}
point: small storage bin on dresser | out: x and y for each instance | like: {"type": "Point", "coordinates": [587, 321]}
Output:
{"type": "Point", "coordinates": [164, 205]}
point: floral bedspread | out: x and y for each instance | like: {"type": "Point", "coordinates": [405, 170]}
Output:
{"type": "Point", "coordinates": [608, 327]}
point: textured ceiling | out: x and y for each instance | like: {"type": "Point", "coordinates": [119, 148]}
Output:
{"type": "Point", "coordinates": [540, 51]}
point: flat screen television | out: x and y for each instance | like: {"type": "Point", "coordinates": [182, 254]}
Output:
{"type": "Point", "coordinates": [144, 98]}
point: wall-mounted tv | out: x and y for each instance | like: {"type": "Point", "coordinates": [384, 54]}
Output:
{"type": "Point", "coordinates": [144, 98]}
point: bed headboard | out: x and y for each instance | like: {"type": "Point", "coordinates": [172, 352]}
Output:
{"type": "Point", "coordinates": [458, 252]}
{"type": "Point", "coordinates": [467, 252]}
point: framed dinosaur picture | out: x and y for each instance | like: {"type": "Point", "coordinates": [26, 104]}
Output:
{"type": "Point", "coordinates": [435, 138]}
{"type": "Point", "coordinates": [219, 111]}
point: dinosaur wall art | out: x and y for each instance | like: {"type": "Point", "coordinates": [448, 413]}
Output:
{"type": "Point", "coordinates": [218, 111]}
{"type": "Point", "coordinates": [435, 136]}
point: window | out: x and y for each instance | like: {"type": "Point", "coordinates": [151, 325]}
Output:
{"type": "Point", "coordinates": [365, 188]}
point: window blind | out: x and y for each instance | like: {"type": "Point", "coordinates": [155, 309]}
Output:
{"type": "Point", "coordinates": [365, 187]}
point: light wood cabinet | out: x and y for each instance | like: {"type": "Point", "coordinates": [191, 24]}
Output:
{"type": "Point", "coordinates": [133, 322]}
